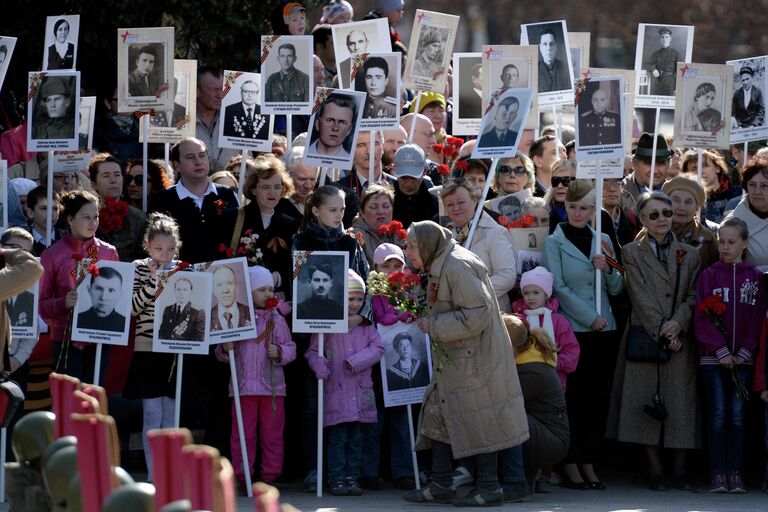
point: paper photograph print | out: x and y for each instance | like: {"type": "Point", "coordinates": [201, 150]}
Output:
{"type": "Point", "coordinates": [600, 118]}
{"type": "Point", "coordinates": [53, 100]}
{"type": "Point", "coordinates": [333, 130]}
{"type": "Point", "coordinates": [72, 161]}
{"type": "Point", "coordinates": [103, 307]}
{"type": "Point", "coordinates": [369, 36]}
{"type": "Point", "coordinates": [506, 67]}
{"type": "Point", "coordinates": [320, 291]}
{"type": "Point", "coordinates": [503, 123]}
{"type": "Point", "coordinates": [60, 47]}
{"type": "Point", "coordinates": [231, 317]}
{"type": "Point", "coordinates": [22, 312]}
{"type": "Point", "coordinates": [579, 48]}
{"type": "Point", "coordinates": [659, 49]}
{"type": "Point", "coordinates": [510, 205]}
{"type": "Point", "coordinates": [555, 80]}
{"type": "Point", "coordinates": [145, 69]}
{"type": "Point", "coordinates": [7, 44]}
{"type": "Point", "coordinates": [182, 307]}
{"type": "Point", "coordinates": [432, 39]}
{"type": "Point", "coordinates": [286, 74]}
{"type": "Point", "coordinates": [627, 96]}
{"type": "Point", "coordinates": [378, 76]}
{"type": "Point", "coordinates": [467, 93]}
{"type": "Point", "coordinates": [748, 104]}
{"type": "Point", "coordinates": [703, 105]}
{"type": "Point", "coordinates": [176, 123]}
{"type": "Point", "coordinates": [528, 244]}
{"type": "Point", "coordinates": [244, 125]}
{"type": "Point", "coordinates": [406, 367]}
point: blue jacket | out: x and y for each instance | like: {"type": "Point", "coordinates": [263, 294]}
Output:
{"type": "Point", "coordinates": [574, 285]}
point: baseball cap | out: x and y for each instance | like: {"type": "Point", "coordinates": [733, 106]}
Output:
{"type": "Point", "coordinates": [386, 252]}
{"type": "Point", "coordinates": [410, 161]}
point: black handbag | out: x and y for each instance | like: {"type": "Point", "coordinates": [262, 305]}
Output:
{"type": "Point", "coordinates": [11, 394]}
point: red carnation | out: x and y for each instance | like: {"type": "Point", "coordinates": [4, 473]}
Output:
{"type": "Point", "coordinates": [93, 270]}
{"type": "Point", "coordinates": [271, 302]}
{"type": "Point", "coordinates": [402, 234]}
{"type": "Point", "coordinates": [503, 220]}
{"type": "Point", "coordinates": [462, 165]}
{"type": "Point", "coordinates": [443, 169]}
{"type": "Point", "coordinates": [183, 265]}
{"type": "Point", "coordinates": [456, 142]}
{"type": "Point", "coordinates": [712, 305]}
{"type": "Point", "coordinates": [248, 232]}
{"type": "Point", "coordinates": [395, 225]}
{"type": "Point", "coordinates": [437, 148]}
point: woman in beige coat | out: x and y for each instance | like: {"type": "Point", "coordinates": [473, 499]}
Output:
{"type": "Point", "coordinates": [474, 404]}
{"type": "Point", "coordinates": [652, 263]}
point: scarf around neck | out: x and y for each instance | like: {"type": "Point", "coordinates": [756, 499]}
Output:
{"type": "Point", "coordinates": [535, 321]}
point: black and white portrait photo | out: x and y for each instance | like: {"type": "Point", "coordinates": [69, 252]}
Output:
{"type": "Point", "coordinates": [554, 63]}
{"type": "Point", "coordinates": [703, 105]}
{"type": "Point", "coordinates": [145, 69]}
{"type": "Point", "coordinates": [22, 312]}
{"type": "Point", "coordinates": [432, 38]}
{"type": "Point", "coordinates": [320, 291]}
{"type": "Point", "coordinates": [368, 36]}
{"type": "Point", "coordinates": [510, 205]}
{"type": "Point", "coordinates": [286, 73]}
{"type": "Point", "coordinates": [600, 119]}
{"type": "Point", "coordinates": [748, 100]}
{"type": "Point", "coordinates": [7, 44]}
{"type": "Point", "coordinates": [103, 307]}
{"type": "Point", "coordinates": [73, 161]}
{"type": "Point", "coordinates": [173, 124]}
{"type": "Point", "coordinates": [181, 319]}
{"type": "Point", "coordinates": [334, 128]}
{"type": "Point", "coordinates": [231, 305]}
{"type": "Point", "coordinates": [510, 67]}
{"type": "Point", "coordinates": [406, 365]}
{"type": "Point", "coordinates": [503, 124]}
{"type": "Point", "coordinates": [53, 111]}
{"type": "Point", "coordinates": [659, 49]}
{"type": "Point", "coordinates": [244, 126]}
{"type": "Point", "coordinates": [467, 93]}
{"type": "Point", "coordinates": [378, 76]}
{"type": "Point", "coordinates": [61, 42]}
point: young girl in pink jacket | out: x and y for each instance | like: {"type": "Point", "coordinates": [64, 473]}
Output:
{"type": "Point", "coordinates": [540, 312]}
{"type": "Point", "coordinates": [260, 380]}
{"type": "Point", "coordinates": [348, 391]}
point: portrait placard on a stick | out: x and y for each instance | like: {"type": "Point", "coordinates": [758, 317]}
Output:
{"type": "Point", "coordinates": [60, 47]}
{"type": "Point", "coordinates": [748, 105]}
{"type": "Point", "coordinates": [555, 81]}
{"type": "Point", "coordinates": [659, 49]}
{"type": "Point", "coordinates": [145, 69]}
{"type": "Point", "coordinates": [333, 128]}
{"type": "Point", "coordinates": [432, 41]}
{"type": "Point", "coordinates": [378, 76]}
{"type": "Point", "coordinates": [22, 312]}
{"type": "Point", "coordinates": [703, 105]}
{"type": "Point", "coordinates": [503, 123]}
{"type": "Point", "coordinates": [507, 66]}
{"type": "Point", "coordinates": [244, 125]}
{"type": "Point", "coordinates": [406, 367]}
{"type": "Point", "coordinates": [286, 74]}
{"type": "Point", "coordinates": [181, 313]}
{"type": "Point", "coordinates": [103, 307]}
{"type": "Point", "coordinates": [600, 118]}
{"type": "Point", "coordinates": [367, 36]}
{"type": "Point", "coordinates": [53, 98]}
{"type": "Point", "coordinates": [7, 44]}
{"type": "Point", "coordinates": [176, 123]}
{"type": "Point", "coordinates": [320, 291]}
{"type": "Point", "coordinates": [231, 314]}
{"type": "Point", "coordinates": [467, 93]}
{"type": "Point", "coordinates": [71, 161]}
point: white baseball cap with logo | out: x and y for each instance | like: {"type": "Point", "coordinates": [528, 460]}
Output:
{"type": "Point", "coordinates": [409, 161]}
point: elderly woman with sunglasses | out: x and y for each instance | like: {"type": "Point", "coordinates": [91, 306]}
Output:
{"type": "Point", "coordinates": [661, 282]}
{"type": "Point", "coordinates": [513, 175]}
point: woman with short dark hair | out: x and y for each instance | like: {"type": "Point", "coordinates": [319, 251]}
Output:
{"type": "Point", "coordinates": [753, 210]}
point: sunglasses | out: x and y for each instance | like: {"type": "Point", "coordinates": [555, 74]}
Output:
{"type": "Point", "coordinates": [562, 180]}
{"type": "Point", "coordinates": [506, 170]}
{"type": "Point", "coordinates": [667, 213]}
{"type": "Point", "coordinates": [131, 179]}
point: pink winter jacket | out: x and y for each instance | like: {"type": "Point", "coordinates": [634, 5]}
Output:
{"type": "Point", "coordinates": [253, 363]}
{"type": "Point", "coordinates": [346, 370]}
{"type": "Point", "coordinates": [58, 278]}
{"type": "Point", "coordinates": [565, 339]}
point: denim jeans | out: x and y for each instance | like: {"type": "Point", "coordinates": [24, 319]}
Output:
{"type": "Point", "coordinates": [345, 445]}
{"type": "Point", "coordinates": [371, 445]}
{"type": "Point", "coordinates": [725, 422]}
{"type": "Point", "coordinates": [80, 364]}
{"type": "Point", "coordinates": [512, 464]}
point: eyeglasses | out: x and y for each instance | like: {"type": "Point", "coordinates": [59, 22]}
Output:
{"type": "Point", "coordinates": [562, 180]}
{"type": "Point", "coordinates": [506, 170]}
{"type": "Point", "coordinates": [138, 179]}
{"type": "Point", "coordinates": [667, 213]}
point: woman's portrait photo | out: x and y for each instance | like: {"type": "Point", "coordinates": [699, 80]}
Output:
{"type": "Point", "coordinates": [61, 42]}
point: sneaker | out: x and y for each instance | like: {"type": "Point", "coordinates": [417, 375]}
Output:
{"type": "Point", "coordinates": [516, 492]}
{"type": "Point", "coordinates": [735, 484]}
{"type": "Point", "coordinates": [476, 498]}
{"type": "Point", "coordinates": [461, 476]}
{"type": "Point", "coordinates": [310, 482]}
{"type": "Point", "coordinates": [339, 488]}
{"type": "Point", "coordinates": [719, 483]}
{"type": "Point", "coordinates": [352, 487]}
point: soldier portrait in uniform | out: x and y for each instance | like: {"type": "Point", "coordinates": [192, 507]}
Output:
{"type": "Point", "coordinates": [378, 77]}
{"type": "Point", "coordinates": [700, 116]}
{"type": "Point", "coordinates": [181, 320]}
{"type": "Point", "coordinates": [408, 371]}
{"type": "Point", "coordinates": [663, 65]}
{"type": "Point", "coordinates": [510, 76]}
{"type": "Point", "coordinates": [55, 108]}
{"type": "Point", "coordinates": [430, 52]}
{"type": "Point", "coordinates": [501, 132]}
{"type": "Point", "coordinates": [600, 124]}
{"type": "Point", "coordinates": [659, 49]}
{"type": "Point", "coordinates": [288, 84]}
{"type": "Point", "coordinates": [747, 106]}
{"type": "Point", "coordinates": [145, 77]}
{"type": "Point", "coordinates": [244, 119]}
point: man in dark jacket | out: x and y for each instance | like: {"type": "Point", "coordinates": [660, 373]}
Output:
{"type": "Point", "coordinates": [413, 200]}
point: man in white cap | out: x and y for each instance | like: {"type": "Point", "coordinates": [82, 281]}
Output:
{"type": "Point", "coordinates": [413, 201]}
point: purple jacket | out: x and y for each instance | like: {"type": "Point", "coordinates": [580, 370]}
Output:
{"type": "Point", "coordinates": [385, 313]}
{"type": "Point", "coordinates": [346, 370]}
{"type": "Point", "coordinates": [253, 364]}
{"type": "Point", "coordinates": [743, 292]}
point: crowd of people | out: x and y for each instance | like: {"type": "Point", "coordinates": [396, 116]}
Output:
{"type": "Point", "coordinates": [649, 332]}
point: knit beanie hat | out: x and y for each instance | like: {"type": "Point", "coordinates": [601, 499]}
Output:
{"type": "Point", "coordinates": [259, 277]}
{"type": "Point", "coordinates": [355, 283]}
{"type": "Point", "coordinates": [540, 277]}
